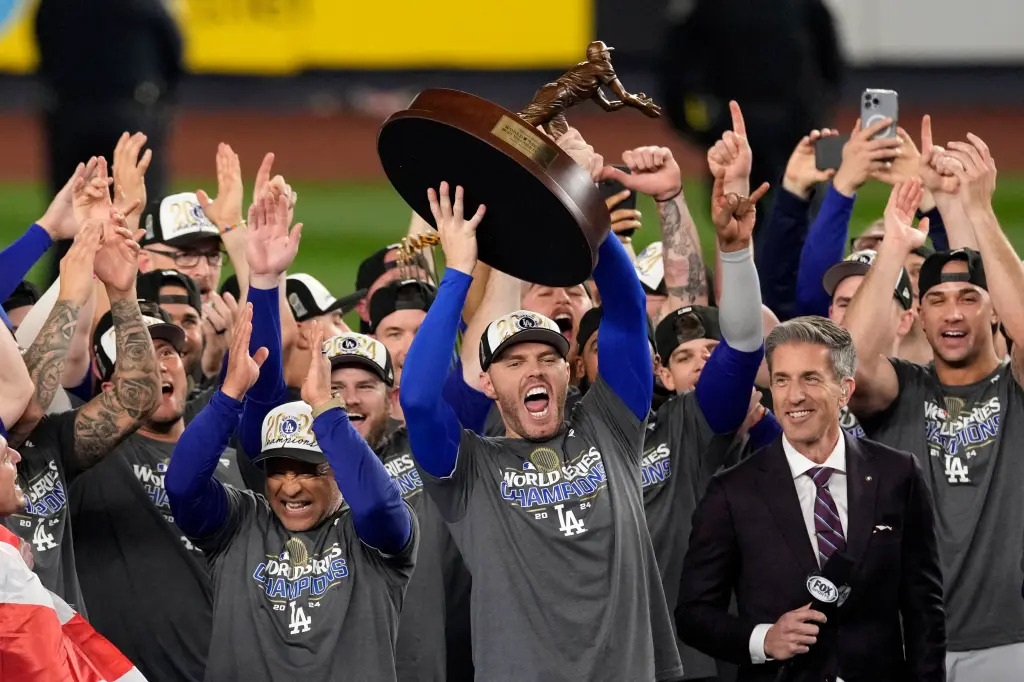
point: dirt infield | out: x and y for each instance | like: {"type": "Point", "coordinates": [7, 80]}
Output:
{"type": "Point", "coordinates": [343, 147]}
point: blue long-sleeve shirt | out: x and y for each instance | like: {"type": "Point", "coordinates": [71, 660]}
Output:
{"type": "Point", "coordinates": [270, 390]}
{"type": "Point", "coordinates": [778, 252]}
{"type": "Point", "coordinates": [624, 354]}
{"type": "Point", "coordinates": [434, 430]}
{"type": "Point", "coordinates": [199, 503]}
{"type": "Point", "coordinates": [824, 247]}
{"type": "Point", "coordinates": [18, 258]}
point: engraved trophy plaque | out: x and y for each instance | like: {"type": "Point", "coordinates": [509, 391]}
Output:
{"type": "Point", "coordinates": [545, 216]}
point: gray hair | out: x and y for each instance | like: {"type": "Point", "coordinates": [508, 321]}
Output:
{"type": "Point", "coordinates": [818, 331]}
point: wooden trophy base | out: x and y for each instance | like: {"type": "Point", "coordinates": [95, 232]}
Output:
{"type": "Point", "coordinates": [545, 216]}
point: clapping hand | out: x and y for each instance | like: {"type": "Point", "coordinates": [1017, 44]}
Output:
{"type": "Point", "coordinates": [972, 164]}
{"type": "Point", "coordinates": [316, 389]}
{"type": "Point", "coordinates": [117, 262]}
{"type": "Point", "coordinates": [243, 369]}
{"type": "Point", "coordinates": [226, 209]}
{"type": "Point", "coordinates": [76, 267]}
{"type": "Point", "coordinates": [130, 174]}
{"type": "Point", "coordinates": [271, 248]}
{"type": "Point", "coordinates": [219, 318]}
{"type": "Point", "coordinates": [60, 221]}
{"type": "Point", "coordinates": [802, 172]}
{"type": "Point", "coordinates": [458, 235]}
{"type": "Point", "coordinates": [90, 192]}
{"type": "Point", "coordinates": [653, 171]}
{"type": "Point", "coordinates": [734, 216]}
{"type": "Point", "coordinates": [899, 216]}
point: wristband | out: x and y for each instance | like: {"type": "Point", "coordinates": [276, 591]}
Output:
{"type": "Point", "coordinates": [233, 226]}
{"type": "Point", "coordinates": [328, 405]}
{"type": "Point", "coordinates": [662, 201]}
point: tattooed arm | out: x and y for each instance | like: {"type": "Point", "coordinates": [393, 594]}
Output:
{"type": "Point", "coordinates": [685, 277]}
{"type": "Point", "coordinates": [653, 171]}
{"type": "Point", "coordinates": [135, 386]}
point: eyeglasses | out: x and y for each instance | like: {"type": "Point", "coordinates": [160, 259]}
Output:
{"type": "Point", "coordinates": [190, 259]}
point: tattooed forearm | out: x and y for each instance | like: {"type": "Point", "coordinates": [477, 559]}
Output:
{"type": "Point", "coordinates": [45, 358]}
{"type": "Point", "coordinates": [685, 277]}
{"type": "Point", "coordinates": [114, 414]}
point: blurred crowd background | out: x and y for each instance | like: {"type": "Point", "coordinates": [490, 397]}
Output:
{"type": "Point", "coordinates": [312, 80]}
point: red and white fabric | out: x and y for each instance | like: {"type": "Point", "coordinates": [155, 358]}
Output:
{"type": "Point", "coordinates": [42, 639]}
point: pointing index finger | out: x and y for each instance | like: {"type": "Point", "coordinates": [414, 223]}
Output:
{"type": "Point", "coordinates": [926, 132]}
{"type": "Point", "coordinates": [738, 125]}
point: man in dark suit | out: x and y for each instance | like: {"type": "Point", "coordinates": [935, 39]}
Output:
{"type": "Point", "coordinates": [827, 541]}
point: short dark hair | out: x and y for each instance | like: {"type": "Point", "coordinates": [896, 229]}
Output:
{"type": "Point", "coordinates": [818, 331]}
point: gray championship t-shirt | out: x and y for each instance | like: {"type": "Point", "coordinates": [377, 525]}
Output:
{"type": "Point", "coordinates": [313, 605]}
{"type": "Point", "coordinates": [146, 586]}
{"type": "Point", "coordinates": [968, 439]}
{"type": "Point", "coordinates": [47, 465]}
{"type": "Point", "coordinates": [681, 454]}
{"type": "Point", "coordinates": [565, 583]}
{"type": "Point", "coordinates": [423, 631]}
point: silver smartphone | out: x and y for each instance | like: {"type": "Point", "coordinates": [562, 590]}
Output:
{"type": "Point", "coordinates": [876, 105]}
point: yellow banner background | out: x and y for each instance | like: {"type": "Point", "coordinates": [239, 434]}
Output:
{"type": "Point", "coordinates": [280, 37]}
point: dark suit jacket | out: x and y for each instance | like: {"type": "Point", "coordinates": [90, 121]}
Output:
{"type": "Point", "coordinates": [749, 537]}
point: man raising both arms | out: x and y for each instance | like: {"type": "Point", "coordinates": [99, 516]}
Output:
{"type": "Point", "coordinates": [550, 520]}
{"type": "Point", "coordinates": [963, 415]}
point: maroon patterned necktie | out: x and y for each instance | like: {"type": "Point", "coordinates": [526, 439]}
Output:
{"type": "Point", "coordinates": [827, 526]}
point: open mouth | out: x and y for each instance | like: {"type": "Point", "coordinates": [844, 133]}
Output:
{"type": "Point", "coordinates": [799, 414]}
{"type": "Point", "coordinates": [297, 506]}
{"type": "Point", "coordinates": [954, 334]}
{"type": "Point", "coordinates": [537, 401]}
{"type": "Point", "coordinates": [356, 418]}
{"type": "Point", "coordinates": [167, 388]}
{"type": "Point", "coordinates": [564, 322]}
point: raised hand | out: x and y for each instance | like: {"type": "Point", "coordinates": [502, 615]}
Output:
{"type": "Point", "coordinates": [226, 210]}
{"type": "Point", "coordinates": [59, 221]}
{"type": "Point", "coordinates": [734, 216]}
{"type": "Point", "coordinates": [972, 163]}
{"type": "Point", "coordinates": [117, 262]}
{"type": "Point", "coordinates": [243, 369]}
{"type": "Point", "coordinates": [623, 219]}
{"type": "Point", "coordinates": [130, 173]}
{"type": "Point", "coordinates": [90, 192]}
{"type": "Point", "coordinates": [219, 319]}
{"type": "Point", "coordinates": [573, 144]}
{"type": "Point", "coordinates": [76, 267]}
{"type": "Point", "coordinates": [899, 216]}
{"type": "Point", "coordinates": [653, 171]}
{"type": "Point", "coordinates": [458, 235]}
{"type": "Point", "coordinates": [271, 248]}
{"type": "Point", "coordinates": [906, 164]}
{"type": "Point", "coordinates": [276, 186]}
{"type": "Point", "coordinates": [316, 389]}
{"type": "Point", "coordinates": [802, 173]}
{"type": "Point", "coordinates": [730, 158]}
{"type": "Point", "coordinates": [938, 177]}
{"type": "Point", "coordinates": [863, 156]}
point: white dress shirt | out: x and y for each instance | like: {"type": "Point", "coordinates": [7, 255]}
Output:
{"type": "Point", "coordinates": [807, 492]}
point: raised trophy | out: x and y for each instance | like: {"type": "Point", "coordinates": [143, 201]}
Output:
{"type": "Point", "coordinates": [545, 216]}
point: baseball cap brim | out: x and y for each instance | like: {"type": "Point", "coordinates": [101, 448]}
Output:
{"type": "Point", "coordinates": [351, 359]}
{"type": "Point", "coordinates": [308, 456]}
{"type": "Point", "coordinates": [171, 333]}
{"type": "Point", "coordinates": [840, 271]}
{"type": "Point", "coordinates": [537, 335]}
{"type": "Point", "coordinates": [349, 302]}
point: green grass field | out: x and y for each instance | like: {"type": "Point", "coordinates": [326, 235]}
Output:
{"type": "Point", "coordinates": [346, 222]}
